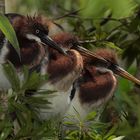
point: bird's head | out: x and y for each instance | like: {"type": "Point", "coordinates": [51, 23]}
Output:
{"type": "Point", "coordinates": [32, 29]}
{"type": "Point", "coordinates": [32, 34]}
{"type": "Point", "coordinates": [112, 64]}
{"type": "Point", "coordinates": [103, 57]}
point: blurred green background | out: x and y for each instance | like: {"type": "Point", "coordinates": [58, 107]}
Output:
{"type": "Point", "coordinates": [111, 24]}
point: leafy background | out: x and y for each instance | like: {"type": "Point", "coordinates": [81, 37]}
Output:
{"type": "Point", "coordinates": [109, 23]}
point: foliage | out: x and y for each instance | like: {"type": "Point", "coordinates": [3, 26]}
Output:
{"type": "Point", "coordinates": [9, 32]}
{"type": "Point", "coordinates": [88, 128]}
{"type": "Point", "coordinates": [19, 119]}
{"type": "Point", "coordinates": [111, 24]}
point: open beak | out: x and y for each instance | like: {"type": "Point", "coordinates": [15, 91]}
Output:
{"type": "Point", "coordinates": [48, 41]}
{"type": "Point", "coordinates": [121, 72]}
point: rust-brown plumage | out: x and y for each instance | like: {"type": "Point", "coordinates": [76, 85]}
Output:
{"type": "Point", "coordinates": [97, 83]}
{"type": "Point", "coordinates": [63, 70]}
{"type": "Point", "coordinates": [61, 65]}
{"type": "Point", "coordinates": [32, 35]}
{"type": "Point", "coordinates": [95, 86]}
{"type": "Point", "coordinates": [31, 51]}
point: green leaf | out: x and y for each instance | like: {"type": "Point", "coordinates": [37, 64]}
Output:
{"type": "Point", "coordinates": [91, 116]}
{"type": "Point", "coordinates": [137, 1]}
{"type": "Point", "coordinates": [37, 101]}
{"type": "Point", "coordinates": [112, 45]}
{"type": "Point", "coordinates": [97, 8]}
{"type": "Point", "coordinates": [46, 93]}
{"type": "Point", "coordinates": [26, 77]}
{"type": "Point", "coordinates": [111, 131]}
{"type": "Point", "coordinates": [77, 114]}
{"type": "Point", "coordinates": [9, 32]}
{"type": "Point", "coordinates": [5, 133]}
{"type": "Point", "coordinates": [118, 138]}
{"type": "Point", "coordinates": [12, 76]}
{"type": "Point", "coordinates": [111, 137]}
{"type": "Point", "coordinates": [31, 81]}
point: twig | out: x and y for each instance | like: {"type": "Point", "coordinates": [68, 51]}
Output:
{"type": "Point", "coordinates": [87, 41]}
{"type": "Point", "coordinates": [67, 15]}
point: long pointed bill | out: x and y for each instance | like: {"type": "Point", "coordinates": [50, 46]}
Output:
{"type": "Point", "coordinates": [121, 72]}
{"type": "Point", "coordinates": [115, 68]}
{"type": "Point", "coordinates": [88, 53]}
{"type": "Point", "coordinates": [48, 41]}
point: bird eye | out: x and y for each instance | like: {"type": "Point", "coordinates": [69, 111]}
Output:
{"type": "Point", "coordinates": [37, 31]}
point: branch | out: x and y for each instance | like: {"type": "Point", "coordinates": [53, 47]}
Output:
{"type": "Point", "coordinates": [87, 41]}
{"type": "Point", "coordinates": [68, 14]}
